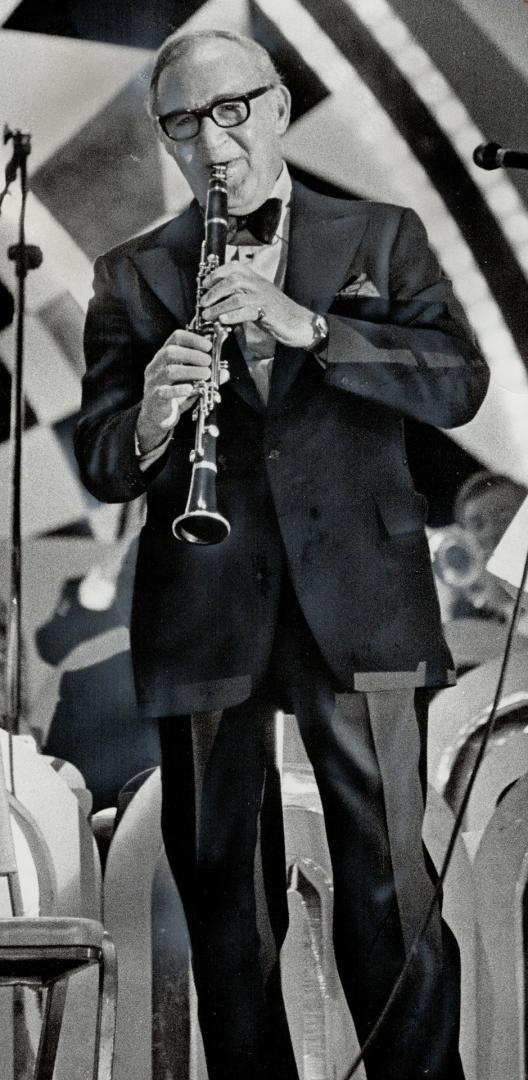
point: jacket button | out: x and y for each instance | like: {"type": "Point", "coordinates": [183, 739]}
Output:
{"type": "Point", "coordinates": [344, 380]}
{"type": "Point", "coordinates": [273, 455]}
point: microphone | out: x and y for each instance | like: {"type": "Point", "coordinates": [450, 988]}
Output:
{"type": "Point", "coordinates": [492, 156]}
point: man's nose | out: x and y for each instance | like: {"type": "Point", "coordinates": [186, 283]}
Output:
{"type": "Point", "coordinates": [211, 136]}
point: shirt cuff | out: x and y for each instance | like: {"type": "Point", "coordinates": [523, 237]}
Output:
{"type": "Point", "coordinates": [321, 355]}
{"type": "Point", "coordinates": [147, 459]}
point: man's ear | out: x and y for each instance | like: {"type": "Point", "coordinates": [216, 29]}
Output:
{"type": "Point", "coordinates": [283, 108]}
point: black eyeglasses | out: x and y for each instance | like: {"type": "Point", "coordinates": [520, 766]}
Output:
{"type": "Point", "coordinates": [226, 113]}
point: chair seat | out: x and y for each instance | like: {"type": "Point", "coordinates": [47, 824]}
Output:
{"type": "Point", "coordinates": [20, 932]}
{"type": "Point", "coordinates": [39, 951]}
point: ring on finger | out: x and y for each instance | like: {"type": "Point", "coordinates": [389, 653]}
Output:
{"type": "Point", "coordinates": [260, 314]}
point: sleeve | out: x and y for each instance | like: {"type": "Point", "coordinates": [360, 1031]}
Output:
{"type": "Point", "coordinates": [148, 457]}
{"type": "Point", "coordinates": [112, 390]}
{"type": "Point", "coordinates": [412, 352]}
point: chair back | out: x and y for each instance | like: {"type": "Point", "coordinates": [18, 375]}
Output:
{"type": "Point", "coordinates": [8, 863]}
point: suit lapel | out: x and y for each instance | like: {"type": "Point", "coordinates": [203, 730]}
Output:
{"type": "Point", "coordinates": [169, 263]}
{"type": "Point", "coordinates": [325, 234]}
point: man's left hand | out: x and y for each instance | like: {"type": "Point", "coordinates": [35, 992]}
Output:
{"type": "Point", "coordinates": [235, 294]}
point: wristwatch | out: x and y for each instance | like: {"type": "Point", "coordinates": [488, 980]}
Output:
{"type": "Point", "coordinates": [320, 332]}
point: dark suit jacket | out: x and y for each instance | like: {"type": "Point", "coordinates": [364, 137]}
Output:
{"type": "Point", "coordinates": [318, 482]}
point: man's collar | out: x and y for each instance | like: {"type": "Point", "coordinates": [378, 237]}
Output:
{"type": "Point", "coordinates": [283, 191]}
{"type": "Point", "coordinates": [283, 186]}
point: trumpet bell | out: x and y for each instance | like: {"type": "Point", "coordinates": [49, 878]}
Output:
{"type": "Point", "coordinates": [459, 559]}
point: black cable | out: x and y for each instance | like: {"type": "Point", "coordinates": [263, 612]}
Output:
{"type": "Point", "coordinates": [488, 730]}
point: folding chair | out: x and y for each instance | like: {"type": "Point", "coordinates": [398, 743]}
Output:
{"type": "Point", "coordinates": [44, 952]}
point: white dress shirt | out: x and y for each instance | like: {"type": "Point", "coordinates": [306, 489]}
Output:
{"type": "Point", "coordinates": [269, 260]}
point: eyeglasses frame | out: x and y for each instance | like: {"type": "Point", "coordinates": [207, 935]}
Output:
{"type": "Point", "coordinates": [207, 110]}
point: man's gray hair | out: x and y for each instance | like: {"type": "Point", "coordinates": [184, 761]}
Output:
{"type": "Point", "coordinates": [178, 44]}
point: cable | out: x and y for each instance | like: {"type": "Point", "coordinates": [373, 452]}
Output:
{"type": "Point", "coordinates": [486, 735]}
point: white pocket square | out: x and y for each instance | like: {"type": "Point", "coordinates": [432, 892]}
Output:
{"type": "Point", "coordinates": [359, 286]}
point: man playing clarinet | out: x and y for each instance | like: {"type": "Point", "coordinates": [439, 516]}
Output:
{"type": "Point", "coordinates": [320, 600]}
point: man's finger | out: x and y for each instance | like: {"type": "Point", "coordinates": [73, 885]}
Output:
{"type": "Point", "coordinates": [222, 290]}
{"type": "Point", "coordinates": [240, 315]}
{"type": "Point", "coordinates": [177, 390]}
{"type": "Point", "coordinates": [181, 398]}
{"type": "Point", "coordinates": [178, 373]}
{"type": "Point", "coordinates": [227, 270]}
{"type": "Point", "coordinates": [231, 303]}
{"type": "Point", "coordinates": [189, 339]}
{"type": "Point", "coordinates": [178, 354]}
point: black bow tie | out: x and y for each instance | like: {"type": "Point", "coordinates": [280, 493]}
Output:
{"type": "Point", "coordinates": [260, 226]}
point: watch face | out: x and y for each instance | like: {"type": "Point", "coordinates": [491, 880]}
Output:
{"type": "Point", "coordinates": [320, 327]}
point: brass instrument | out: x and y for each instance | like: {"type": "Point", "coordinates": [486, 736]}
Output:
{"type": "Point", "coordinates": [201, 522]}
{"type": "Point", "coordinates": [459, 559]}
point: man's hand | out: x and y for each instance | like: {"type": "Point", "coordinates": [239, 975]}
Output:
{"type": "Point", "coordinates": [234, 294]}
{"type": "Point", "coordinates": [169, 389]}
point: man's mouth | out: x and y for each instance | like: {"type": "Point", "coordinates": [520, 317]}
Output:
{"type": "Point", "coordinates": [231, 165]}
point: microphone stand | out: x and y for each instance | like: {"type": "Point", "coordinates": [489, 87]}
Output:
{"type": "Point", "coordinates": [26, 257]}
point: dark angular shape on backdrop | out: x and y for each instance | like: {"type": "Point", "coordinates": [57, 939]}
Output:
{"type": "Point", "coordinates": [105, 183]}
{"type": "Point", "coordinates": [64, 320]}
{"type": "Point", "coordinates": [5, 405]}
{"type": "Point", "coordinates": [139, 23]}
{"type": "Point", "coordinates": [64, 431]}
{"type": "Point", "coordinates": [306, 88]}
{"type": "Point", "coordinates": [75, 529]}
{"type": "Point", "coordinates": [7, 306]}
{"type": "Point", "coordinates": [147, 24]}
{"type": "Point", "coordinates": [462, 50]}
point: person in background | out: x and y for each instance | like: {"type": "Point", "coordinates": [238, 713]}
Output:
{"type": "Point", "coordinates": [86, 712]}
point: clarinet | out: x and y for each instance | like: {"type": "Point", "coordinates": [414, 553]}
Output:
{"type": "Point", "coordinates": [201, 522]}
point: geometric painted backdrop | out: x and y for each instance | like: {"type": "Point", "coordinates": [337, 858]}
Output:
{"type": "Point", "coordinates": [389, 102]}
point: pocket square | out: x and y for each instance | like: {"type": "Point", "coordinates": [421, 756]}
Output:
{"type": "Point", "coordinates": [358, 286]}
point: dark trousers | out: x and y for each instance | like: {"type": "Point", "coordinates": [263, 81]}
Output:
{"type": "Point", "coordinates": [218, 782]}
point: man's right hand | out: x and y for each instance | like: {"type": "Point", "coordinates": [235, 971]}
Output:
{"type": "Point", "coordinates": [183, 360]}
